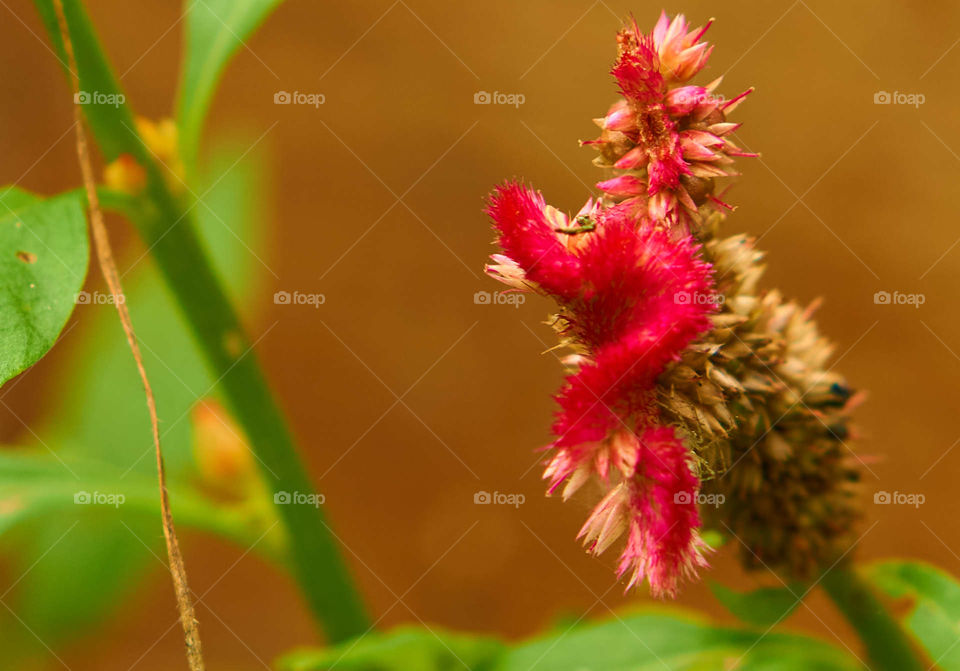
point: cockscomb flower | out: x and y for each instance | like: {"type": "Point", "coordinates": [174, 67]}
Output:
{"type": "Point", "coordinates": [667, 141]}
{"type": "Point", "coordinates": [630, 298]}
{"type": "Point", "coordinates": [683, 374]}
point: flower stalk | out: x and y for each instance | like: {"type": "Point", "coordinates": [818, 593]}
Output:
{"type": "Point", "coordinates": [887, 645]}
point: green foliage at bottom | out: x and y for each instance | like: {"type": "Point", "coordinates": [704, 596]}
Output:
{"type": "Point", "coordinates": [403, 649]}
{"type": "Point", "coordinates": [637, 642]}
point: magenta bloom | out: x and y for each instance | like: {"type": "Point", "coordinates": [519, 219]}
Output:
{"type": "Point", "coordinates": [633, 296]}
{"type": "Point", "coordinates": [667, 139]}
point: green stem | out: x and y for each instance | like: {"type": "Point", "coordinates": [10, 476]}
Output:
{"type": "Point", "coordinates": [168, 231]}
{"type": "Point", "coordinates": [887, 645]}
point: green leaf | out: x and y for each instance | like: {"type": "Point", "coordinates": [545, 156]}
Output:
{"type": "Point", "coordinates": [762, 607]}
{"type": "Point", "coordinates": [403, 649]}
{"type": "Point", "coordinates": [43, 262]}
{"type": "Point", "coordinates": [215, 31]}
{"type": "Point", "coordinates": [104, 104]}
{"type": "Point", "coordinates": [656, 641]}
{"type": "Point", "coordinates": [934, 616]}
{"type": "Point", "coordinates": [648, 641]}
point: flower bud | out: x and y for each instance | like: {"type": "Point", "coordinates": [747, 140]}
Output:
{"type": "Point", "coordinates": [223, 457]}
{"type": "Point", "coordinates": [125, 174]}
{"type": "Point", "coordinates": [162, 143]}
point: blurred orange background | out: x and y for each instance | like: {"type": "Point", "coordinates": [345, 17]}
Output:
{"type": "Point", "coordinates": [408, 397]}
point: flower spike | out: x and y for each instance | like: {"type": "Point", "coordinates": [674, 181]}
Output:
{"type": "Point", "coordinates": [678, 367]}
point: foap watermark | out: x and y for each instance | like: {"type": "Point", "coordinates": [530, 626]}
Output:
{"type": "Point", "coordinates": [898, 98]}
{"type": "Point", "coordinates": [98, 98]}
{"type": "Point", "coordinates": [299, 298]}
{"type": "Point", "coordinates": [694, 95]}
{"type": "Point", "coordinates": [698, 298]}
{"type": "Point", "coordinates": [84, 498]}
{"type": "Point", "coordinates": [497, 98]}
{"type": "Point", "coordinates": [684, 498]}
{"type": "Point", "coordinates": [485, 498]}
{"type": "Point", "coordinates": [897, 298]}
{"type": "Point", "coordinates": [98, 298]}
{"type": "Point", "coordinates": [514, 298]}
{"type": "Point", "coordinates": [298, 98]}
{"type": "Point", "coordinates": [884, 498]}
{"type": "Point", "coordinates": [299, 499]}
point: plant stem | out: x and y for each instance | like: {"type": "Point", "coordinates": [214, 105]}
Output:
{"type": "Point", "coordinates": [888, 647]}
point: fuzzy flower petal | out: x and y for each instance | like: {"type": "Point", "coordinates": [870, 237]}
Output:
{"type": "Point", "coordinates": [520, 216]}
{"type": "Point", "coordinates": [663, 543]}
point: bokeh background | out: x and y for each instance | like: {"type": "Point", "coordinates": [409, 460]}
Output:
{"type": "Point", "coordinates": [406, 395]}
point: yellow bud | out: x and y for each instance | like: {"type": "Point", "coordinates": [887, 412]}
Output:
{"type": "Point", "coordinates": [161, 140]}
{"type": "Point", "coordinates": [125, 174]}
{"type": "Point", "coordinates": [223, 457]}
{"type": "Point", "coordinates": [159, 136]}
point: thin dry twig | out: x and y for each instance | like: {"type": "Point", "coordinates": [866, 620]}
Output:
{"type": "Point", "coordinates": [109, 268]}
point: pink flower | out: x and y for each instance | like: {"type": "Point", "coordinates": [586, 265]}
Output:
{"type": "Point", "coordinates": [633, 293]}
{"type": "Point", "coordinates": [670, 139]}
{"type": "Point", "coordinates": [625, 286]}
{"type": "Point", "coordinates": [657, 509]}
{"type": "Point", "coordinates": [682, 54]}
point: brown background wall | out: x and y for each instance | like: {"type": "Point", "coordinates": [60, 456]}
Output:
{"type": "Point", "coordinates": [849, 198]}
